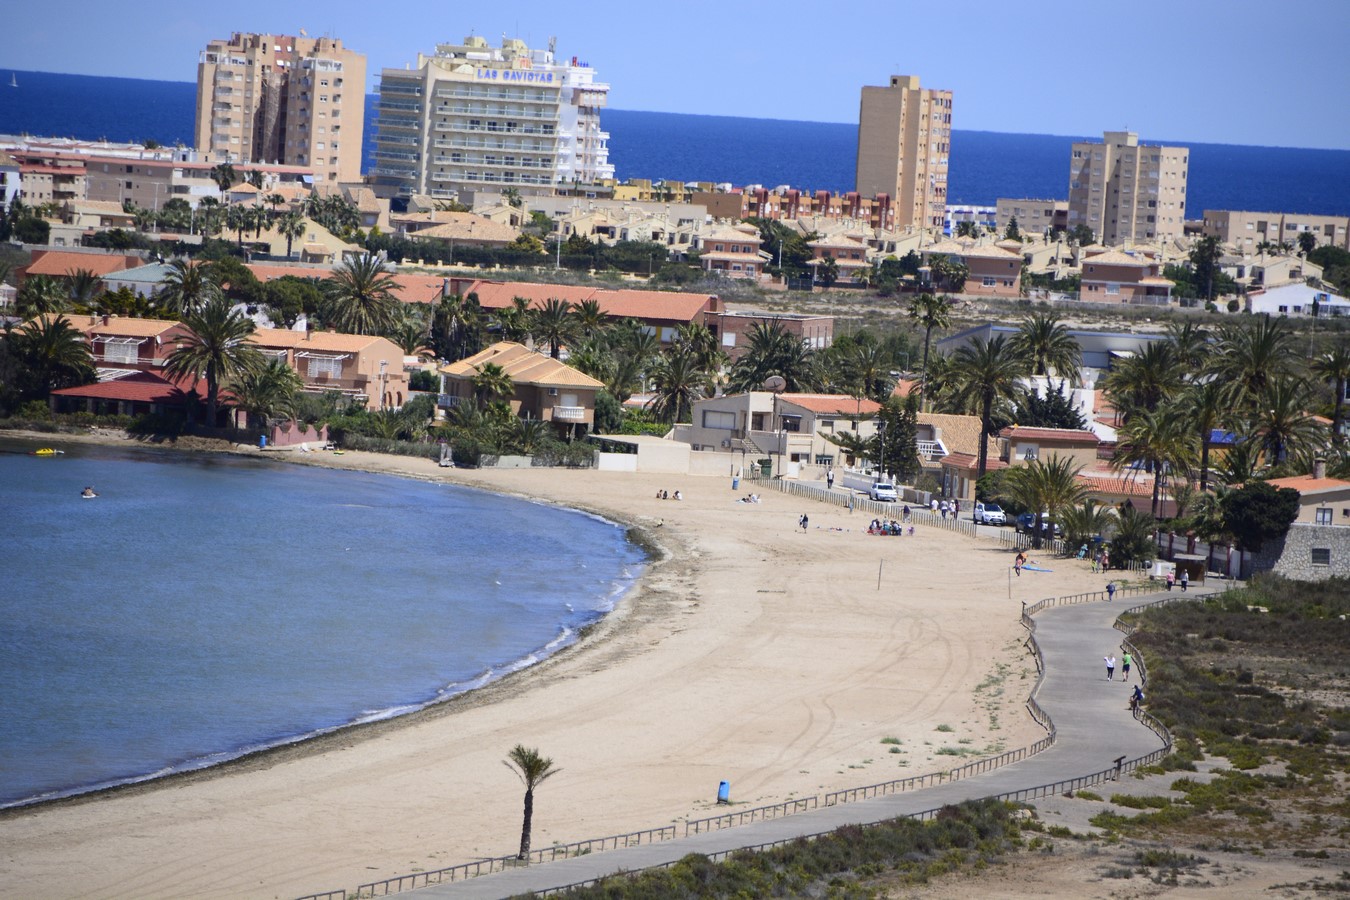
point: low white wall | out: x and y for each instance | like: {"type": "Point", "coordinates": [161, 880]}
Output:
{"type": "Point", "coordinates": [618, 462]}
{"type": "Point", "coordinates": [664, 458]}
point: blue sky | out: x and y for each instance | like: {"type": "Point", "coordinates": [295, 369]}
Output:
{"type": "Point", "coordinates": [1240, 71]}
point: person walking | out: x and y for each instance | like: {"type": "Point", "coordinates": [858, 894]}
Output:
{"type": "Point", "coordinates": [804, 522]}
{"type": "Point", "coordinates": [1096, 563]}
{"type": "Point", "coordinates": [1110, 589]}
{"type": "Point", "coordinates": [1185, 580]}
{"type": "Point", "coordinates": [1171, 577]}
{"type": "Point", "coordinates": [1125, 666]}
{"type": "Point", "coordinates": [829, 480]}
{"type": "Point", "coordinates": [1110, 667]}
{"type": "Point", "coordinates": [1136, 697]}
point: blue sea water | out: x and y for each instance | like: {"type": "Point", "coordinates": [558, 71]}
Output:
{"type": "Point", "coordinates": [204, 606]}
{"type": "Point", "coordinates": [816, 155]}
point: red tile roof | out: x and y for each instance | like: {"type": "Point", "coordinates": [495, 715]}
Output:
{"type": "Point", "coordinates": [971, 462]}
{"type": "Point", "coordinates": [1307, 484]}
{"type": "Point", "coordinates": [833, 403]}
{"type": "Point", "coordinates": [1118, 484]}
{"type": "Point", "coordinates": [140, 387]}
{"type": "Point", "coordinates": [62, 263]}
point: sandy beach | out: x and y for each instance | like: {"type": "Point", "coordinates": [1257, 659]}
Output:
{"type": "Point", "coordinates": [749, 652]}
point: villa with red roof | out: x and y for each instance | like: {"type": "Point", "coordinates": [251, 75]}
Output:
{"type": "Point", "coordinates": [1322, 500]}
{"type": "Point", "coordinates": [759, 424]}
{"type": "Point", "coordinates": [544, 388]}
{"type": "Point", "coordinates": [63, 264]}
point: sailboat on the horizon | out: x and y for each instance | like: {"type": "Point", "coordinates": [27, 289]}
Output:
{"type": "Point", "coordinates": [13, 79]}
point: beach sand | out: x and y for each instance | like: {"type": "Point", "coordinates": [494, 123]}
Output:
{"type": "Point", "coordinates": [750, 652]}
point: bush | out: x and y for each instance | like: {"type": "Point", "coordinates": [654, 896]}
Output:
{"type": "Point", "coordinates": [353, 441]}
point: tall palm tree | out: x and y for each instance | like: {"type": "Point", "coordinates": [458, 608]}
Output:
{"type": "Point", "coordinates": [1190, 343]}
{"type": "Point", "coordinates": [867, 367]}
{"type": "Point", "coordinates": [216, 347]}
{"type": "Point", "coordinates": [360, 296]}
{"type": "Point", "coordinates": [1145, 380]}
{"type": "Point", "coordinates": [515, 322]}
{"type": "Point", "coordinates": [1044, 342]}
{"type": "Point", "coordinates": [590, 318]}
{"type": "Point", "coordinates": [1046, 487]}
{"type": "Point", "coordinates": [1282, 422]}
{"type": "Point", "coordinates": [1204, 405]}
{"type": "Point", "coordinates": [457, 328]}
{"type": "Point", "coordinates": [533, 769]}
{"type": "Point", "coordinates": [224, 176]}
{"type": "Point", "coordinates": [238, 220]}
{"type": "Point", "coordinates": [1161, 441]}
{"type": "Point", "coordinates": [291, 226]}
{"type": "Point", "coordinates": [40, 295]}
{"type": "Point", "coordinates": [931, 313]}
{"type": "Point", "coordinates": [1252, 355]}
{"type": "Point", "coordinates": [1333, 367]}
{"type": "Point", "coordinates": [85, 287]}
{"type": "Point", "coordinates": [984, 371]}
{"type": "Point", "coordinates": [553, 323]}
{"type": "Point", "coordinates": [187, 285]}
{"type": "Point", "coordinates": [1080, 524]}
{"type": "Point", "coordinates": [772, 350]}
{"type": "Point", "coordinates": [677, 383]}
{"type": "Point", "coordinates": [491, 383]}
{"type": "Point", "coordinates": [53, 354]}
{"type": "Point", "coordinates": [412, 335]}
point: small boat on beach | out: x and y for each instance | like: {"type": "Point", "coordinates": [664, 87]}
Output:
{"type": "Point", "coordinates": [48, 451]}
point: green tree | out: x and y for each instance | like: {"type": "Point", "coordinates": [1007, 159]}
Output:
{"type": "Point", "coordinates": [1054, 410]}
{"type": "Point", "coordinates": [677, 382]}
{"type": "Point", "coordinates": [360, 296]}
{"type": "Point", "coordinates": [224, 176]}
{"type": "Point", "coordinates": [292, 227]}
{"type": "Point", "coordinates": [1307, 242]}
{"type": "Point", "coordinates": [948, 272]}
{"type": "Point", "coordinates": [1250, 356]}
{"type": "Point", "coordinates": [1082, 235]}
{"type": "Point", "coordinates": [239, 220]}
{"type": "Point", "coordinates": [1044, 341]}
{"type": "Point", "coordinates": [772, 350]}
{"type": "Point", "coordinates": [1204, 406]}
{"type": "Point", "coordinates": [266, 393]}
{"type": "Point", "coordinates": [491, 383]}
{"type": "Point", "coordinates": [1333, 367]}
{"type": "Point", "coordinates": [187, 286]}
{"type": "Point", "coordinates": [931, 312]}
{"type": "Point", "coordinates": [1012, 233]}
{"type": "Point", "coordinates": [1204, 257]}
{"type": "Point", "coordinates": [1258, 512]}
{"type": "Point", "coordinates": [899, 438]}
{"type": "Point", "coordinates": [533, 769]}
{"type": "Point", "coordinates": [1135, 539]}
{"type": "Point", "coordinates": [1283, 425]}
{"type": "Point", "coordinates": [553, 323]}
{"type": "Point", "coordinates": [1161, 442]}
{"type": "Point", "coordinates": [1145, 380]}
{"type": "Point", "coordinates": [39, 296]}
{"type": "Point", "coordinates": [216, 348]}
{"type": "Point", "coordinates": [827, 273]}
{"type": "Point", "coordinates": [984, 371]}
{"type": "Point", "coordinates": [458, 327]}
{"type": "Point", "coordinates": [1045, 487]}
{"type": "Point", "coordinates": [84, 287]}
{"type": "Point", "coordinates": [51, 353]}
{"type": "Point", "coordinates": [1080, 524]}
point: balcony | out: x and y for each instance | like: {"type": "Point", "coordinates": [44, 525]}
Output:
{"type": "Point", "coordinates": [404, 105]}
{"type": "Point", "coordinates": [502, 111]}
{"type": "Point", "coordinates": [448, 401]}
{"type": "Point", "coordinates": [569, 413]}
{"type": "Point", "coordinates": [496, 129]}
{"type": "Point", "coordinates": [498, 95]}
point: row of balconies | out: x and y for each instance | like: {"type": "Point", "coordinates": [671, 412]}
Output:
{"type": "Point", "coordinates": [381, 153]}
{"type": "Point", "coordinates": [522, 96]}
{"type": "Point", "coordinates": [394, 171]}
{"type": "Point", "coordinates": [402, 140]}
{"type": "Point", "coordinates": [405, 105]}
{"type": "Point", "coordinates": [494, 162]}
{"type": "Point", "coordinates": [504, 111]}
{"type": "Point", "coordinates": [496, 128]}
{"type": "Point", "coordinates": [489, 178]}
{"type": "Point", "coordinates": [466, 144]}
{"type": "Point", "coordinates": [384, 123]}
{"type": "Point", "coordinates": [403, 88]}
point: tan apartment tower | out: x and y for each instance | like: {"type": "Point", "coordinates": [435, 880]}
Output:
{"type": "Point", "coordinates": [270, 98]}
{"type": "Point", "coordinates": [474, 119]}
{"type": "Point", "coordinates": [1128, 192]}
{"type": "Point", "coordinates": [904, 141]}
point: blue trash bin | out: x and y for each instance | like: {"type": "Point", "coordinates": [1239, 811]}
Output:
{"type": "Point", "coordinates": [262, 442]}
{"type": "Point", "coordinates": [735, 482]}
{"type": "Point", "coordinates": [724, 792]}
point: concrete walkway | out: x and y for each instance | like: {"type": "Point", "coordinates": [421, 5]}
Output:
{"type": "Point", "coordinates": [1092, 720]}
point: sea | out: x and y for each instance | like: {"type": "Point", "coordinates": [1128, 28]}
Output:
{"type": "Point", "coordinates": [205, 606]}
{"type": "Point", "coordinates": [985, 165]}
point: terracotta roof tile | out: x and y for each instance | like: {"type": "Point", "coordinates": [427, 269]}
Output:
{"type": "Point", "coordinates": [833, 403]}
{"type": "Point", "coordinates": [1307, 484]}
{"type": "Point", "coordinates": [61, 263]}
{"type": "Point", "coordinates": [523, 365]}
{"type": "Point", "coordinates": [1067, 435]}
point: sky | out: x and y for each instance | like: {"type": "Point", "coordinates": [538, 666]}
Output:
{"type": "Point", "coordinates": [1235, 72]}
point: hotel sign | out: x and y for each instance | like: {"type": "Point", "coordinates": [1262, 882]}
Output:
{"type": "Point", "coordinates": [524, 75]}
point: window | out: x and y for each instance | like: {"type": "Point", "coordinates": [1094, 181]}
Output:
{"type": "Point", "coordinates": [824, 459]}
{"type": "Point", "coordinates": [128, 353]}
{"type": "Point", "coordinates": [1030, 452]}
{"type": "Point", "coordinates": [319, 366]}
{"type": "Point", "coordinates": [827, 424]}
{"type": "Point", "coordinates": [1323, 516]}
{"type": "Point", "coordinates": [713, 418]}
{"type": "Point", "coordinates": [1321, 556]}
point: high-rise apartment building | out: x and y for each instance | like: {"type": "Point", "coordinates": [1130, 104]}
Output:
{"type": "Point", "coordinates": [1128, 192]}
{"type": "Point", "coordinates": [904, 141]}
{"type": "Point", "coordinates": [477, 119]}
{"type": "Point", "coordinates": [269, 98]}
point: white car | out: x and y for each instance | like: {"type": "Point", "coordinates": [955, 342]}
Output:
{"type": "Point", "coordinates": [989, 514]}
{"type": "Point", "coordinates": [883, 491]}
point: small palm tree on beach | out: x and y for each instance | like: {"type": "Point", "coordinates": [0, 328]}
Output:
{"type": "Point", "coordinates": [533, 769]}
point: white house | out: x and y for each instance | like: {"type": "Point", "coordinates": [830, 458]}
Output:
{"type": "Point", "coordinates": [1298, 300]}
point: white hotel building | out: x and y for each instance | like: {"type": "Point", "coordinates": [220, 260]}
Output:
{"type": "Point", "coordinates": [478, 119]}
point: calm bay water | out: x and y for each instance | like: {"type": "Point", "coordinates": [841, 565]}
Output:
{"type": "Point", "coordinates": [205, 606]}
{"type": "Point", "coordinates": [816, 155]}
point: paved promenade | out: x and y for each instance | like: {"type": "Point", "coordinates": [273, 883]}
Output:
{"type": "Point", "coordinates": [1093, 724]}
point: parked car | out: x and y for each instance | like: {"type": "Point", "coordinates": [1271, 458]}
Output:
{"type": "Point", "coordinates": [883, 491]}
{"type": "Point", "coordinates": [1026, 523]}
{"type": "Point", "coordinates": [989, 514]}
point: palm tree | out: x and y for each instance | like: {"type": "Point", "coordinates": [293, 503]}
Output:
{"type": "Point", "coordinates": [1143, 381]}
{"type": "Point", "coordinates": [985, 371]}
{"type": "Point", "coordinates": [267, 392]}
{"type": "Point", "coordinates": [1045, 343]}
{"type": "Point", "coordinates": [931, 312]}
{"type": "Point", "coordinates": [216, 347]}
{"type": "Point", "coordinates": [1333, 367]}
{"type": "Point", "coordinates": [590, 318]}
{"type": "Point", "coordinates": [39, 296]}
{"type": "Point", "coordinates": [1283, 424]}
{"type": "Point", "coordinates": [53, 354]}
{"type": "Point", "coordinates": [292, 227]}
{"type": "Point", "coordinates": [1190, 343]}
{"type": "Point", "coordinates": [457, 328]}
{"type": "Point", "coordinates": [1205, 407]}
{"type": "Point", "coordinates": [773, 351]}
{"type": "Point", "coordinates": [1046, 487]}
{"type": "Point", "coordinates": [1250, 356]}
{"type": "Point", "coordinates": [85, 287]}
{"type": "Point", "coordinates": [187, 285]}
{"type": "Point", "coordinates": [360, 296]}
{"type": "Point", "coordinates": [238, 219]}
{"type": "Point", "coordinates": [554, 323]}
{"type": "Point", "coordinates": [868, 370]}
{"type": "Point", "coordinates": [1136, 537]}
{"type": "Point", "coordinates": [412, 335]}
{"type": "Point", "coordinates": [533, 769]}
{"type": "Point", "coordinates": [1240, 464]}
{"type": "Point", "coordinates": [1161, 441]}
{"type": "Point", "coordinates": [515, 322]}
{"type": "Point", "coordinates": [224, 176]}
{"type": "Point", "coordinates": [677, 382]}
{"type": "Point", "coordinates": [491, 383]}
{"type": "Point", "coordinates": [1080, 524]}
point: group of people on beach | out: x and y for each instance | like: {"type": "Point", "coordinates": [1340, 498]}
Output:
{"type": "Point", "coordinates": [665, 495]}
{"type": "Point", "coordinates": [944, 507]}
{"type": "Point", "coordinates": [881, 526]}
{"type": "Point", "coordinates": [748, 498]}
{"type": "Point", "coordinates": [1185, 580]}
